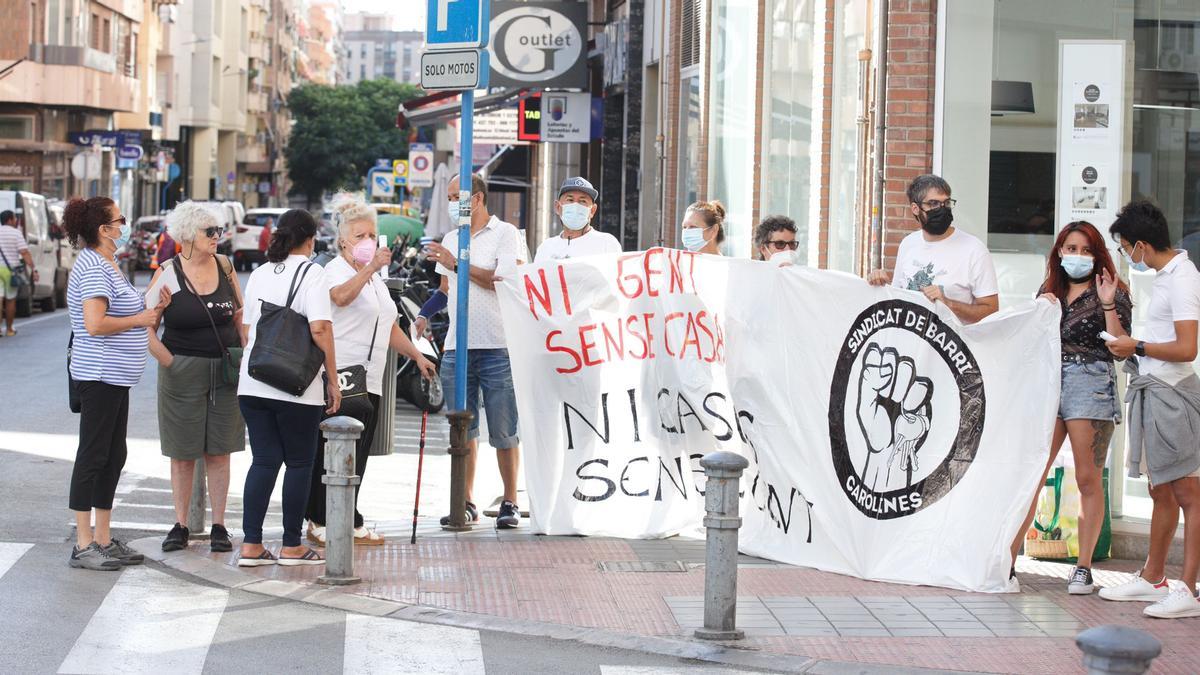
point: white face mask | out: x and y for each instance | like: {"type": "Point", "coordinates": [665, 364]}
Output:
{"type": "Point", "coordinates": [575, 217]}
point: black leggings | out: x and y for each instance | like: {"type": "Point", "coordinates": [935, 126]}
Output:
{"type": "Point", "coordinates": [281, 433]}
{"type": "Point", "coordinates": [104, 413]}
{"type": "Point", "coordinates": [362, 448]}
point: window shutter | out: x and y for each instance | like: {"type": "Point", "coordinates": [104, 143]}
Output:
{"type": "Point", "coordinates": [689, 52]}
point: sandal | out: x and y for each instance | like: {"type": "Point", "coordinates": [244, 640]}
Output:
{"type": "Point", "coordinates": [316, 534]}
{"type": "Point", "coordinates": [365, 537]}
{"type": "Point", "coordinates": [264, 558]}
{"type": "Point", "coordinates": [310, 557]}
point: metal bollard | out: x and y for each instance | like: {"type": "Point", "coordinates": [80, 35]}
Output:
{"type": "Point", "coordinates": [460, 425]}
{"type": "Point", "coordinates": [722, 470]}
{"type": "Point", "coordinates": [341, 434]}
{"type": "Point", "coordinates": [198, 504]}
{"type": "Point", "coordinates": [1113, 650]}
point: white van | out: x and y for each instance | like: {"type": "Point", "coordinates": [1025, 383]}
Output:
{"type": "Point", "coordinates": [246, 251]}
{"type": "Point", "coordinates": [33, 219]}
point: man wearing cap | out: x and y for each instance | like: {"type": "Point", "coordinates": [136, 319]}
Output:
{"type": "Point", "coordinates": [575, 207]}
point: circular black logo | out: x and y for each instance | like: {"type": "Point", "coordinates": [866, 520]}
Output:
{"type": "Point", "coordinates": [1091, 93]}
{"type": "Point", "coordinates": [904, 425]}
{"type": "Point", "coordinates": [1090, 174]}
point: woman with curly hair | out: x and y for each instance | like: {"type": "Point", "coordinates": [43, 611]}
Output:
{"type": "Point", "coordinates": [198, 415]}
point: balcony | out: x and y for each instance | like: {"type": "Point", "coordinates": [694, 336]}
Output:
{"type": "Point", "coordinates": [256, 102]}
{"type": "Point", "coordinates": [250, 151]}
{"type": "Point", "coordinates": [60, 55]}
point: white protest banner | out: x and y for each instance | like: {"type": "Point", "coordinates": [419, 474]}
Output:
{"type": "Point", "coordinates": [886, 440]}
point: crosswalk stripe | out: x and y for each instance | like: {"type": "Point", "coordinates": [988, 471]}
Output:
{"type": "Point", "coordinates": [382, 645]}
{"type": "Point", "coordinates": [150, 622]}
{"type": "Point", "coordinates": [10, 553]}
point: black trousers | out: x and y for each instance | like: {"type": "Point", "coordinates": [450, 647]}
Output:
{"type": "Point", "coordinates": [103, 417]}
{"type": "Point", "coordinates": [316, 493]}
{"type": "Point", "coordinates": [281, 434]}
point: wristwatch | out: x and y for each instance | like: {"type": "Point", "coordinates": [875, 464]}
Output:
{"type": "Point", "coordinates": [1140, 348]}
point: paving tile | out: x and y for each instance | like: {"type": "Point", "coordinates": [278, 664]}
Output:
{"type": "Point", "coordinates": [810, 632]}
{"type": "Point", "coordinates": [966, 632]}
{"type": "Point", "coordinates": [864, 632]}
{"type": "Point", "coordinates": [915, 632]}
{"type": "Point", "coordinates": [908, 624]}
{"type": "Point", "coordinates": [806, 624]}
{"type": "Point", "coordinates": [1017, 632]}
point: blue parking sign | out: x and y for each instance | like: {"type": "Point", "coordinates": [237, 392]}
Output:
{"type": "Point", "coordinates": [457, 24]}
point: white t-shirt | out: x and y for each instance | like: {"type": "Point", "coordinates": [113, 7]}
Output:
{"type": "Point", "coordinates": [270, 282]}
{"type": "Point", "coordinates": [495, 246]}
{"type": "Point", "coordinates": [372, 311]}
{"type": "Point", "coordinates": [593, 242]}
{"type": "Point", "coordinates": [12, 242]}
{"type": "Point", "coordinates": [960, 264]}
{"type": "Point", "coordinates": [1174, 297]}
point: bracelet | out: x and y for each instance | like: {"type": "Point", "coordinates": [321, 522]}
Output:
{"type": "Point", "coordinates": [1108, 308]}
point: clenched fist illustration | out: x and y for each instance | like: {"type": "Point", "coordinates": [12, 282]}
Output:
{"type": "Point", "coordinates": [894, 413]}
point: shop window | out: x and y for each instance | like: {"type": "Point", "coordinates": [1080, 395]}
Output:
{"type": "Point", "coordinates": [846, 136]}
{"type": "Point", "coordinates": [689, 147]}
{"type": "Point", "coordinates": [16, 127]}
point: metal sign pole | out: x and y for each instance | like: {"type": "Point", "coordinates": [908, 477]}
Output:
{"type": "Point", "coordinates": [464, 249]}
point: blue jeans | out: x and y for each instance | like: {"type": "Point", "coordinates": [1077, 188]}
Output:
{"type": "Point", "coordinates": [281, 433]}
{"type": "Point", "coordinates": [489, 372]}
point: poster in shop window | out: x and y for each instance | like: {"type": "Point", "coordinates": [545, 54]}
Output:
{"type": "Point", "coordinates": [885, 439]}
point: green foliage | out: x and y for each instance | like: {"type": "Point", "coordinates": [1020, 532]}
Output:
{"type": "Point", "coordinates": [339, 132]}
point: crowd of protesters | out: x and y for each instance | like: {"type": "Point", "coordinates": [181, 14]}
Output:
{"type": "Point", "coordinates": [207, 402]}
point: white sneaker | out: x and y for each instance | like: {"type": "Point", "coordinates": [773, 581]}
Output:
{"type": "Point", "coordinates": [1136, 589]}
{"type": "Point", "coordinates": [1179, 604]}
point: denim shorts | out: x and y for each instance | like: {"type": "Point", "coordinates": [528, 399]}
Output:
{"type": "Point", "coordinates": [489, 373]}
{"type": "Point", "coordinates": [1089, 392]}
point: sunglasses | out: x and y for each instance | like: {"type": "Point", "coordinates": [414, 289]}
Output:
{"type": "Point", "coordinates": [213, 232]}
{"type": "Point", "coordinates": [780, 245]}
{"type": "Point", "coordinates": [120, 220]}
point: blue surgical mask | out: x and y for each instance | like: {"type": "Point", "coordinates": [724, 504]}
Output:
{"type": "Point", "coordinates": [126, 232]}
{"type": "Point", "coordinates": [693, 238]}
{"type": "Point", "coordinates": [575, 217]}
{"type": "Point", "coordinates": [452, 209]}
{"type": "Point", "coordinates": [1139, 266]}
{"type": "Point", "coordinates": [1077, 266]}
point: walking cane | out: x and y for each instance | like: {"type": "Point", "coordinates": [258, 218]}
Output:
{"type": "Point", "coordinates": [420, 464]}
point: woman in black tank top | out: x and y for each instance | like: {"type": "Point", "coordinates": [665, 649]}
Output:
{"type": "Point", "coordinates": [198, 413]}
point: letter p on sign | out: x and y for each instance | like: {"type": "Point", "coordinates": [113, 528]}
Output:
{"type": "Point", "coordinates": [442, 14]}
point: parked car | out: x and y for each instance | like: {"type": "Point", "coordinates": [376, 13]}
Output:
{"type": "Point", "coordinates": [33, 219]}
{"type": "Point", "coordinates": [247, 249]}
{"type": "Point", "coordinates": [145, 239]}
{"type": "Point", "coordinates": [230, 215]}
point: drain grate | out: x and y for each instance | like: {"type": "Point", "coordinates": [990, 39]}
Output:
{"type": "Point", "coordinates": [642, 566]}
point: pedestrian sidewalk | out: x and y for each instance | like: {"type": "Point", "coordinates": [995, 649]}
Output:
{"type": "Point", "coordinates": [652, 589]}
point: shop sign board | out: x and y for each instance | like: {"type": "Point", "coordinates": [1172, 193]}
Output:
{"type": "Point", "coordinates": [1093, 130]}
{"type": "Point", "coordinates": [541, 43]}
{"type": "Point", "coordinates": [566, 117]}
{"type": "Point", "coordinates": [105, 139]}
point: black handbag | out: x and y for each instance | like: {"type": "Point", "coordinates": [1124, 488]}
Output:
{"type": "Point", "coordinates": [72, 383]}
{"type": "Point", "coordinates": [352, 382]}
{"type": "Point", "coordinates": [284, 354]}
{"type": "Point", "coordinates": [20, 273]}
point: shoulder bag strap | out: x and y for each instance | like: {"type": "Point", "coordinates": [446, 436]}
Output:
{"type": "Point", "coordinates": [227, 268]}
{"type": "Point", "coordinates": [6, 263]}
{"type": "Point", "coordinates": [188, 285]}
{"type": "Point", "coordinates": [297, 282]}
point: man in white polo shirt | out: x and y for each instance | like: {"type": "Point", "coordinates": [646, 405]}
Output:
{"type": "Point", "coordinates": [494, 244]}
{"type": "Point", "coordinates": [576, 206]}
{"type": "Point", "coordinates": [1164, 409]}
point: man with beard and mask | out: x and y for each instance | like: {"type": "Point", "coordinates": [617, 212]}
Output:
{"type": "Point", "coordinates": [946, 264]}
{"type": "Point", "coordinates": [575, 207]}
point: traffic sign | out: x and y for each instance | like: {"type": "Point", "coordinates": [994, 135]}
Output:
{"type": "Point", "coordinates": [459, 69]}
{"type": "Point", "coordinates": [131, 152]}
{"type": "Point", "coordinates": [420, 165]}
{"type": "Point", "coordinates": [457, 24]}
{"type": "Point", "coordinates": [381, 184]}
{"type": "Point", "coordinates": [400, 172]}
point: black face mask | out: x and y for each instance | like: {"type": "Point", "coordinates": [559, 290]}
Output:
{"type": "Point", "coordinates": [938, 220]}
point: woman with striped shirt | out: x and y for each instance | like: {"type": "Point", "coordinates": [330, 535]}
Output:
{"type": "Point", "coordinates": [108, 318]}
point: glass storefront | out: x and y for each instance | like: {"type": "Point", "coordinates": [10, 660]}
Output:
{"type": "Point", "coordinates": [848, 133]}
{"type": "Point", "coordinates": [732, 121]}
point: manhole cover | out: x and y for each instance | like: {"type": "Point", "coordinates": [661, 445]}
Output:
{"type": "Point", "coordinates": [642, 566]}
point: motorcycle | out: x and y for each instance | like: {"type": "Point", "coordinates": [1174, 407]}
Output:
{"type": "Point", "coordinates": [427, 395]}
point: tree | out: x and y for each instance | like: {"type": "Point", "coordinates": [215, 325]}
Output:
{"type": "Point", "coordinates": [339, 131]}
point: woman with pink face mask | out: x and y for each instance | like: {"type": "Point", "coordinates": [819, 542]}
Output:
{"type": "Point", "coordinates": [364, 328]}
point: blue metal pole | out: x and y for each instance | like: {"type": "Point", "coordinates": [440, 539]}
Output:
{"type": "Point", "coordinates": [467, 128]}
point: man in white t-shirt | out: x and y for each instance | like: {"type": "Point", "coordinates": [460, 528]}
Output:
{"type": "Point", "coordinates": [576, 206]}
{"type": "Point", "coordinates": [494, 245]}
{"type": "Point", "coordinates": [946, 264]}
{"type": "Point", "coordinates": [16, 251]}
{"type": "Point", "coordinates": [1164, 408]}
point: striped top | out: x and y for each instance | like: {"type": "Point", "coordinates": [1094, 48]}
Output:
{"type": "Point", "coordinates": [116, 359]}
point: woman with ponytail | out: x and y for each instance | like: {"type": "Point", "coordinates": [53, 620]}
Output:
{"type": "Point", "coordinates": [704, 227]}
{"type": "Point", "coordinates": [108, 355]}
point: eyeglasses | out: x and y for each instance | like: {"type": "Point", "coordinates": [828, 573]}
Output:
{"type": "Point", "coordinates": [120, 220]}
{"type": "Point", "coordinates": [931, 204]}
{"type": "Point", "coordinates": [779, 244]}
{"type": "Point", "coordinates": [213, 232]}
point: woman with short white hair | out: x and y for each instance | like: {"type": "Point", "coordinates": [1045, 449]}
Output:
{"type": "Point", "coordinates": [198, 357]}
{"type": "Point", "coordinates": [364, 328]}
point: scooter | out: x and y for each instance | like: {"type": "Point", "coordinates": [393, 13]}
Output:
{"type": "Point", "coordinates": [427, 395]}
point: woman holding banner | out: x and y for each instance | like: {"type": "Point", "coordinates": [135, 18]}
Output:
{"type": "Point", "coordinates": [704, 227]}
{"type": "Point", "coordinates": [1081, 277]}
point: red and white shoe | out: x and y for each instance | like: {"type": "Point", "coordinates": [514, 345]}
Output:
{"type": "Point", "coordinates": [1180, 604]}
{"type": "Point", "coordinates": [1137, 589]}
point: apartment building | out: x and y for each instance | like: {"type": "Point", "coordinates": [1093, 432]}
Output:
{"type": "Point", "coordinates": [373, 49]}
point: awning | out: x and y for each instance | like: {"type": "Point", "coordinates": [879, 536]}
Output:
{"type": "Point", "coordinates": [418, 116]}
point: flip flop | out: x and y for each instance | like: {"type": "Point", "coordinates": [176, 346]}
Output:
{"type": "Point", "coordinates": [310, 557]}
{"type": "Point", "coordinates": [264, 558]}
